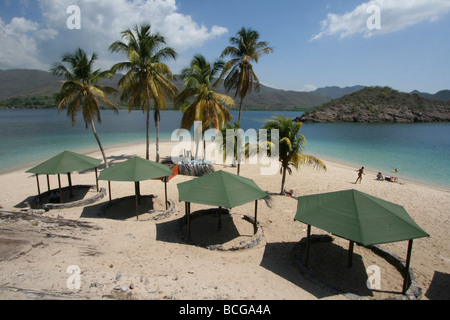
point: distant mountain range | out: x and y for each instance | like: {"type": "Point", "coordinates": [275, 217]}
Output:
{"type": "Point", "coordinates": [36, 89]}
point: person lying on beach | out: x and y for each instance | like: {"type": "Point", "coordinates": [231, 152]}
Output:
{"type": "Point", "coordinates": [360, 174]}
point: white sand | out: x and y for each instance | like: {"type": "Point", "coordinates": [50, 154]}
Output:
{"type": "Point", "coordinates": [151, 255]}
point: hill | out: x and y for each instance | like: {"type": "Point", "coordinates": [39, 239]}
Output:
{"type": "Point", "coordinates": [337, 92]}
{"type": "Point", "coordinates": [380, 104]}
{"type": "Point", "coordinates": [36, 89]}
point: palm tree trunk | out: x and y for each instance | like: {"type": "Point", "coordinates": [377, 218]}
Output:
{"type": "Point", "coordinates": [99, 144]}
{"type": "Point", "coordinates": [147, 146]}
{"type": "Point", "coordinates": [283, 180]}
{"type": "Point", "coordinates": [157, 118]}
{"type": "Point", "coordinates": [240, 111]}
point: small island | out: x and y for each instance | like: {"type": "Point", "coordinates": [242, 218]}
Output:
{"type": "Point", "coordinates": [379, 104]}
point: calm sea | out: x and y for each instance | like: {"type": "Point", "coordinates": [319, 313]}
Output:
{"type": "Point", "coordinates": [421, 152]}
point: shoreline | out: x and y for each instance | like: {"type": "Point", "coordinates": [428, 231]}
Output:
{"type": "Point", "coordinates": [120, 146]}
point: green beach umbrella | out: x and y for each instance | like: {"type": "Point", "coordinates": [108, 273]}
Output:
{"type": "Point", "coordinates": [220, 189]}
{"type": "Point", "coordinates": [136, 170]}
{"type": "Point", "coordinates": [64, 163]}
{"type": "Point", "coordinates": [360, 218]}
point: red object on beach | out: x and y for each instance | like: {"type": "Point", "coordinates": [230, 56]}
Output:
{"type": "Point", "coordinates": [175, 171]}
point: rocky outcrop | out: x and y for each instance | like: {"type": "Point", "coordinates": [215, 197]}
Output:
{"type": "Point", "coordinates": [379, 105]}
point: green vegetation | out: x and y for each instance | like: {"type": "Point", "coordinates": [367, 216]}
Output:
{"type": "Point", "coordinates": [81, 92]}
{"type": "Point", "coordinates": [244, 49]}
{"type": "Point", "coordinates": [34, 102]}
{"type": "Point", "coordinates": [148, 80]}
{"type": "Point", "coordinates": [291, 145]}
{"type": "Point", "coordinates": [380, 104]}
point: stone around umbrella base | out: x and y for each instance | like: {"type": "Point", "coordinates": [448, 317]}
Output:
{"type": "Point", "coordinates": [77, 192]}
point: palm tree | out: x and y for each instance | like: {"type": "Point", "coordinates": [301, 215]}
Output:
{"type": "Point", "coordinates": [244, 49]}
{"type": "Point", "coordinates": [208, 106]}
{"type": "Point", "coordinates": [148, 80]}
{"type": "Point", "coordinates": [291, 146]}
{"type": "Point", "coordinates": [80, 91]}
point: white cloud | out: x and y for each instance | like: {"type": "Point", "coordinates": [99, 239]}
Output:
{"type": "Point", "coordinates": [308, 88]}
{"type": "Point", "coordinates": [102, 22]}
{"type": "Point", "coordinates": [19, 48]}
{"type": "Point", "coordinates": [396, 15]}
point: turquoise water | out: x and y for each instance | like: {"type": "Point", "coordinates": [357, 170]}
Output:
{"type": "Point", "coordinates": [420, 151]}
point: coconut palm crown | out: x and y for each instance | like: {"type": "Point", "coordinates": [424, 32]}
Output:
{"type": "Point", "coordinates": [245, 48]}
{"type": "Point", "coordinates": [81, 92]}
{"type": "Point", "coordinates": [211, 108]}
{"type": "Point", "coordinates": [291, 145]}
{"type": "Point", "coordinates": [148, 80]}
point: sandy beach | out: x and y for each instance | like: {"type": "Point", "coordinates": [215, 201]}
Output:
{"type": "Point", "coordinates": [120, 257]}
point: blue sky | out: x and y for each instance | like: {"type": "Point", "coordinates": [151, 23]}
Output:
{"type": "Point", "coordinates": [316, 43]}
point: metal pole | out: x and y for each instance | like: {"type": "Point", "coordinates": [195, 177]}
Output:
{"type": "Point", "coordinates": [70, 184]}
{"type": "Point", "coordinates": [308, 244]}
{"type": "Point", "coordinates": [96, 178]}
{"type": "Point", "coordinates": [255, 223]}
{"type": "Point", "coordinates": [165, 191]}
{"type": "Point", "coordinates": [220, 218]}
{"type": "Point", "coordinates": [60, 191]}
{"type": "Point", "coordinates": [39, 189]}
{"type": "Point", "coordinates": [350, 254]}
{"type": "Point", "coordinates": [408, 261]}
{"type": "Point", "coordinates": [109, 190]}
{"type": "Point", "coordinates": [48, 183]}
{"type": "Point", "coordinates": [189, 220]}
{"type": "Point", "coordinates": [136, 188]}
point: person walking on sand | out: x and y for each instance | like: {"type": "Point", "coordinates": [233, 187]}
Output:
{"type": "Point", "coordinates": [360, 174]}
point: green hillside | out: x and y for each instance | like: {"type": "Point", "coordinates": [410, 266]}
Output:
{"type": "Point", "coordinates": [380, 104]}
{"type": "Point", "coordinates": [36, 89]}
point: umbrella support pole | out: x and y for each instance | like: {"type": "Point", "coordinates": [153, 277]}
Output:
{"type": "Point", "coordinates": [39, 189]}
{"type": "Point", "coordinates": [60, 190]}
{"type": "Point", "coordinates": [308, 242]}
{"type": "Point", "coordinates": [350, 254]}
{"type": "Point", "coordinates": [136, 187]}
{"type": "Point", "coordinates": [165, 192]}
{"type": "Point", "coordinates": [48, 183]}
{"type": "Point", "coordinates": [96, 178]}
{"type": "Point", "coordinates": [220, 218]}
{"type": "Point", "coordinates": [408, 261]}
{"type": "Point", "coordinates": [255, 223]}
{"type": "Point", "coordinates": [69, 178]}
{"type": "Point", "coordinates": [109, 190]}
{"type": "Point", "coordinates": [187, 208]}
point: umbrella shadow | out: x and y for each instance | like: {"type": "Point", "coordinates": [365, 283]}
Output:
{"type": "Point", "coordinates": [76, 193]}
{"type": "Point", "coordinates": [439, 288]}
{"type": "Point", "coordinates": [121, 209]}
{"type": "Point", "coordinates": [208, 229]}
{"type": "Point", "coordinates": [279, 258]}
{"type": "Point", "coordinates": [327, 273]}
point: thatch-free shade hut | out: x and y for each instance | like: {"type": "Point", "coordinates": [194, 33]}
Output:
{"type": "Point", "coordinates": [221, 189]}
{"type": "Point", "coordinates": [64, 163]}
{"type": "Point", "coordinates": [359, 218]}
{"type": "Point", "coordinates": [136, 170]}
